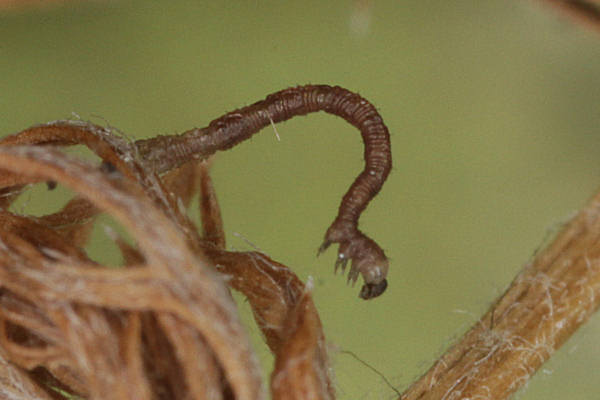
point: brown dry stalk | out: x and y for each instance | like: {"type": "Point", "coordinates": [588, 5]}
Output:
{"type": "Point", "coordinates": [300, 364]}
{"type": "Point", "coordinates": [553, 296]}
{"type": "Point", "coordinates": [282, 307]}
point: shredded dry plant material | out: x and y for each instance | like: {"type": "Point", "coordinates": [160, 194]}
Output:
{"type": "Point", "coordinates": [163, 326]}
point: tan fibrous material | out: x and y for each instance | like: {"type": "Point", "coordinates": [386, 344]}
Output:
{"type": "Point", "coordinates": [162, 327]}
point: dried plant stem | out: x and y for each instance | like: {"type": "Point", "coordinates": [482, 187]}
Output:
{"type": "Point", "coordinates": [544, 305]}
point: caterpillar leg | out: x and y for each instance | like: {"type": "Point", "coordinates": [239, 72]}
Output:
{"type": "Point", "coordinates": [366, 257]}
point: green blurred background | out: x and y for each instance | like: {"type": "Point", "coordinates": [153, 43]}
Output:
{"type": "Point", "coordinates": [493, 110]}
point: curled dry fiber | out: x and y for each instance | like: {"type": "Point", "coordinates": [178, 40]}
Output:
{"type": "Point", "coordinates": [162, 327]}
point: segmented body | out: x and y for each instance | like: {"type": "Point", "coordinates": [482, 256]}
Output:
{"type": "Point", "coordinates": [163, 153]}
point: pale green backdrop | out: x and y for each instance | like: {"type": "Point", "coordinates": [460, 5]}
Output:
{"type": "Point", "coordinates": [493, 108]}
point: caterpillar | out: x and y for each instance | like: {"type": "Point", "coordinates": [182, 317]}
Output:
{"type": "Point", "coordinates": [163, 153]}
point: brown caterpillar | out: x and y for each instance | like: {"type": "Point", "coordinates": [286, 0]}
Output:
{"type": "Point", "coordinates": [163, 153]}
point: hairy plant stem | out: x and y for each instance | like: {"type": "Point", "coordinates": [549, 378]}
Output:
{"type": "Point", "coordinates": [545, 304]}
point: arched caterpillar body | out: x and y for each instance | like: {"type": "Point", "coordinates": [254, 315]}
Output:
{"type": "Point", "coordinates": [163, 153]}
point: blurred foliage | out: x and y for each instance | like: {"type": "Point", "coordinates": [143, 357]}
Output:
{"type": "Point", "coordinates": [493, 109]}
